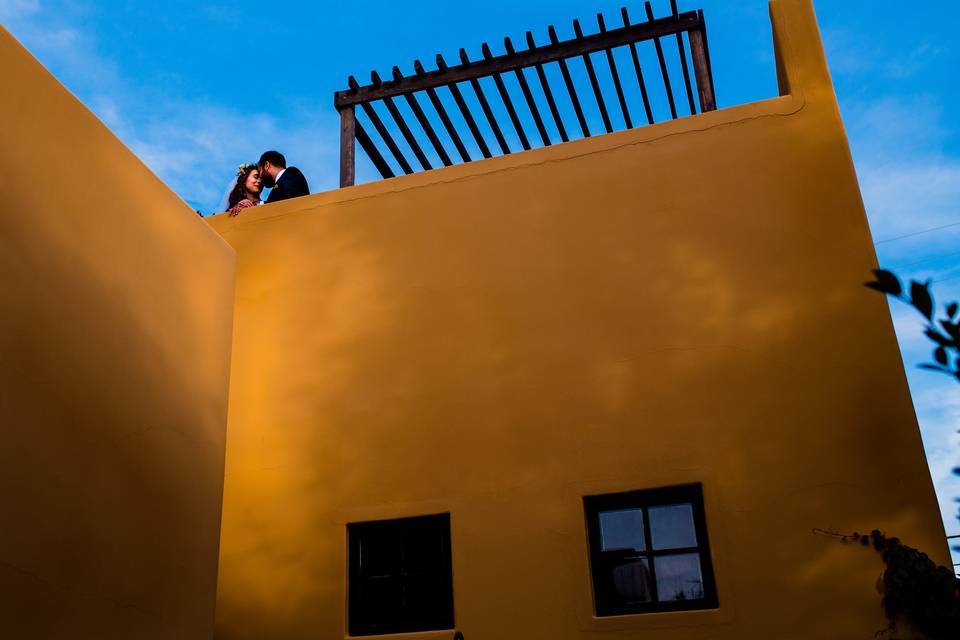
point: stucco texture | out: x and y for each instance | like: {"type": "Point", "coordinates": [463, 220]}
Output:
{"type": "Point", "coordinates": [117, 304]}
{"type": "Point", "coordinates": [677, 303]}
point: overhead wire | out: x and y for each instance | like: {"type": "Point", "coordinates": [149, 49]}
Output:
{"type": "Point", "coordinates": [917, 233]}
{"type": "Point", "coordinates": [925, 260]}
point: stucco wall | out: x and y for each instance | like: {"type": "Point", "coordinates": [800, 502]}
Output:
{"type": "Point", "coordinates": [677, 303]}
{"type": "Point", "coordinates": [114, 360]}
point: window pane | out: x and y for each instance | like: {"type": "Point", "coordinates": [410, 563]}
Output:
{"type": "Point", "coordinates": [631, 581]}
{"type": "Point", "coordinates": [425, 596]}
{"type": "Point", "coordinates": [399, 576]}
{"type": "Point", "coordinates": [678, 577]}
{"type": "Point", "coordinates": [379, 554]}
{"type": "Point", "coordinates": [671, 526]}
{"type": "Point", "coordinates": [423, 550]}
{"type": "Point", "coordinates": [382, 601]}
{"type": "Point", "coordinates": [622, 529]}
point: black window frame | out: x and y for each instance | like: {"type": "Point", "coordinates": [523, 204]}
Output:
{"type": "Point", "coordinates": [357, 624]}
{"type": "Point", "coordinates": [607, 603]}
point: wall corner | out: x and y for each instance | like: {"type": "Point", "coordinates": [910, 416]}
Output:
{"type": "Point", "coordinates": [798, 48]}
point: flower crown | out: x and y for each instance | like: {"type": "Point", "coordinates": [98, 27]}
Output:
{"type": "Point", "coordinates": [245, 168]}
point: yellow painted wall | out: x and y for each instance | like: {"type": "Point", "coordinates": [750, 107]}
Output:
{"type": "Point", "coordinates": [115, 329]}
{"type": "Point", "coordinates": [677, 303]}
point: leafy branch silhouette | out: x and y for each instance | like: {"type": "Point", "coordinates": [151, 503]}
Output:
{"type": "Point", "coordinates": [944, 333]}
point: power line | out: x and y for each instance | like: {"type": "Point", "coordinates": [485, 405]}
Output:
{"type": "Point", "coordinates": [946, 279]}
{"type": "Point", "coordinates": [917, 233]}
{"type": "Point", "coordinates": [925, 260]}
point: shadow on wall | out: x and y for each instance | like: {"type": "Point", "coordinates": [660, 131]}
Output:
{"type": "Point", "coordinates": [655, 307]}
{"type": "Point", "coordinates": [115, 356]}
{"type": "Point", "coordinates": [483, 345]}
{"type": "Point", "coordinates": [103, 444]}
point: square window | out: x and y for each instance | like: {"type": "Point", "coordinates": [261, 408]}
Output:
{"type": "Point", "coordinates": [400, 576]}
{"type": "Point", "coordinates": [649, 551]}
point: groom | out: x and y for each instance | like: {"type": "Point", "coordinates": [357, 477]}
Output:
{"type": "Point", "coordinates": [284, 182]}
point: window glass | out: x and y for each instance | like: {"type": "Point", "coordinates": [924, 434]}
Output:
{"type": "Point", "coordinates": [622, 529]}
{"type": "Point", "coordinates": [631, 580]}
{"type": "Point", "coordinates": [423, 593]}
{"type": "Point", "coordinates": [400, 579]}
{"type": "Point", "coordinates": [649, 551]}
{"type": "Point", "coordinates": [671, 526]}
{"type": "Point", "coordinates": [422, 551]}
{"type": "Point", "coordinates": [381, 599]}
{"type": "Point", "coordinates": [378, 555]}
{"type": "Point", "coordinates": [678, 577]}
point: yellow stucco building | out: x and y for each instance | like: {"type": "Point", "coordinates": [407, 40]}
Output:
{"type": "Point", "coordinates": [654, 340]}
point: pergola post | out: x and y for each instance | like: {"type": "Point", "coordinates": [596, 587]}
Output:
{"type": "Point", "coordinates": [348, 146]}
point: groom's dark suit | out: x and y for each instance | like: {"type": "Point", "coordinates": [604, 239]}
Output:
{"type": "Point", "coordinates": [291, 184]}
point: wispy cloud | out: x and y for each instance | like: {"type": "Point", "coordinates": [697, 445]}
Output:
{"type": "Point", "coordinates": [858, 53]}
{"type": "Point", "coordinates": [896, 127]}
{"type": "Point", "coordinates": [938, 404]}
{"type": "Point", "coordinates": [906, 198]}
{"type": "Point", "coordinates": [193, 144]}
{"type": "Point", "coordinates": [936, 399]}
{"type": "Point", "coordinates": [909, 183]}
{"type": "Point", "coordinates": [10, 9]}
{"type": "Point", "coordinates": [195, 147]}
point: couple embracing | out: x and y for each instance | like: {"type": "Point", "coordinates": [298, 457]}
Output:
{"type": "Point", "coordinates": [272, 172]}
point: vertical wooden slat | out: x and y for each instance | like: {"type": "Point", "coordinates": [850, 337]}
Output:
{"type": "Point", "coordinates": [372, 152]}
{"type": "Point", "coordinates": [663, 65]}
{"type": "Point", "coordinates": [507, 102]}
{"type": "Point", "coordinates": [465, 111]}
{"type": "Point", "coordinates": [485, 106]}
{"type": "Point", "coordinates": [404, 129]}
{"type": "Point", "coordinates": [348, 150]}
{"type": "Point", "coordinates": [531, 104]}
{"type": "Point", "coordinates": [592, 74]}
{"type": "Point", "coordinates": [567, 80]}
{"type": "Point", "coordinates": [639, 71]}
{"type": "Point", "coordinates": [702, 71]}
{"type": "Point", "coordinates": [444, 118]}
{"type": "Point", "coordinates": [424, 123]}
{"type": "Point", "coordinates": [545, 86]}
{"type": "Point", "coordinates": [683, 60]}
{"type": "Point", "coordinates": [616, 76]}
{"type": "Point", "coordinates": [382, 130]}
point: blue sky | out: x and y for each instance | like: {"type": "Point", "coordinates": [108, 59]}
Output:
{"type": "Point", "coordinates": [196, 88]}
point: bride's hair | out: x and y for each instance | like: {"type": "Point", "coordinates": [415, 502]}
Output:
{"type": "Point", "coordinates": [239, 191]}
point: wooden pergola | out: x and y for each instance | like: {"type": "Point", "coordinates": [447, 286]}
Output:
{"type": "Point", "coordinates": [535, 57]}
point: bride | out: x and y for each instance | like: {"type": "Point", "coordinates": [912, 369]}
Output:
{"type": "Point", "coordinates": [245, 190]}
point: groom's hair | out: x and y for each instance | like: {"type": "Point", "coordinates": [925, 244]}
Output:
{"type": "Point", "coordinates": [273, 157]}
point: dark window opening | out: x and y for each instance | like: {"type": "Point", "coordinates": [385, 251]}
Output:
{"type": "Point", "coordinates": [400, 576]}
{"type": "Point", "coordinates": [649, 551]}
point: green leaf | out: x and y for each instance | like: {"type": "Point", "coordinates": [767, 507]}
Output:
{"type": "Point", "coordinates": [886, 282]}
{"type": "Point", "coordinates": [921, 299]}
{"type": "Point", "coordinates": [940, 355]}
{"type": "Point", "coordinates": [952, 309]}
{"type": "Point", "coordinates": [934, 367]}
